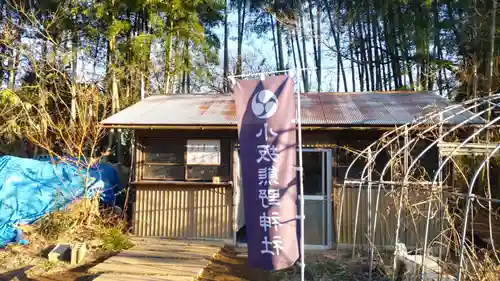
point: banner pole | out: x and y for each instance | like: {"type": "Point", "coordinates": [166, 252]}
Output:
{"type": "Point", "coordinates": [301, 172]}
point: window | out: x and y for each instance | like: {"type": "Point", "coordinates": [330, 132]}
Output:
{"type": "Point", "coordinates": [186, 160]}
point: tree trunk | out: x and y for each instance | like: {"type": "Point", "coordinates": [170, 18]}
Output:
{"type": "Point", "coordinates": [364, 59]}
{"type": "Point", "coordinates": [293, 50]}
{"type": "Point", "coordinates": [146, 61]}
{"type": "Point", "coordinates": [422, 46]}
{"type": "Point", "coordinates": [407, 63]}
{"type": "Point", "coordinates": [369, 51]}
{"type": "Point", "coordinates": [74, 52]}
{"type": "Point", "coordinates": [360, 67]}
{"type": "Point", "coordinates": [381, 64]}
{"type": "Point", "coordinates": [392, 51]}
{"type": "Point", "coordinates": [128, 57]}
{"type": "Point", "coordinates": [305, 72]}
{"type": "Point", "coordinates": [226, 48]}
{"type": "Point", "coordinates": [386, 56]}
{"type": "Point", "coordinates": [279, 33]}
{"type": "Point", "coordinates": [388, 74]}
{"type": "Point", "coordinates": [336, 38]}
{"type": "Point", "coordinates": [437, 43]}
{"type": "Point", "coordinates": [3, 49]}
{"type": "Point", "coordinates": [375, 38]}
{"type": "Point", "coordinates": [168, 58]}
{"type": "Point", "coordinates": [394, 40]}
{"type": "Point", "coordinates": [275, 43]}
{"type": "Point", "coordinates": [187, 68]}
{"type": "Point", "coordinates": [115, 99]}
{"type": "Point", "coordinates": [404, 50]}
{"type": "Point", "coordinates": [351, 57]}
{"type": "Point", "coordinates": [13, 63]}
{"type": "Point", "coordinates": [315, 45]}
{"type": "Point", "coordinates": [183, 82]}
{"type": "Point", "coordinates": [339, 60]}
{"type": "Point", "coordinates": [386, 66]}
{"type": "Point", "coordinates": [42, 92]}
{"type": "Point", "coordinates": [304, 78]}
{"type": "Point", "coordinates": [491, 49]}
{"type": "Point", "coordinates": [318, 16]}
{"type": "Point", "coordinates": [241, 28]}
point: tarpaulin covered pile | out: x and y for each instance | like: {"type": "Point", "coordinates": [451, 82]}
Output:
{"type": "Point", "coordinates": [31, 188]}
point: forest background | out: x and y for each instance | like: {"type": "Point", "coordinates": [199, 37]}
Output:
{"type": "Point", "coordinates": [57, 56]}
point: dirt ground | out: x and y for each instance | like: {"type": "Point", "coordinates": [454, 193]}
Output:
{"type": "Point", "coordinates": [42, 270]}
{"type": "Point", "coordinates": [227, 265]}
{"type": "Point", "coordinates": [320, 266]}
{"type": "Point", "coordinates": [73, 275]}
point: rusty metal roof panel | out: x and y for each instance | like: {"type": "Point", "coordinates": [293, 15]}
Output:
{"type": "Point", "coordinates": [400, 110]}
{"type": "Point", "coordinates": [458, 115]}
{"type": "Point", "coordinates": [179, 110]}
{"type": "Point", "coordinates": [311, 109]}
{"type": "Point", "coordinates": [221, 111]}
{"type": "Point", "coordinates": [137, 113]}
{"type": "Point", "coordinates": [372, 110]}
{"type": "Point", "coordinates": [323, 109]}
{"type": "Point", "coordinates": [397, 109]}
{"type": "Point", "coordinates": [340, 109]}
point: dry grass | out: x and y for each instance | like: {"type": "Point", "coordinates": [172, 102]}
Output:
{"type": "Point", "coordinates": [228, 265]}
{"type": "Point", "coordinates": [102, 230]}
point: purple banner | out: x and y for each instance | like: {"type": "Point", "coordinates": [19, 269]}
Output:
{"type": "Point", "coordinates": [266, 114]}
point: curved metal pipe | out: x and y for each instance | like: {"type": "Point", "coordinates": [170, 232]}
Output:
{"type": "Point", "coordinates": [405, 180]}
{"type": "Point", "coordinates": [441, 167]}
{"type": "Point", "coordinates": [467, 209]}
{"type": "Point", "coordinates": [390, 138]}
{"type": "Point", "coordinates": [391, 160]}
{"type": "Point", "coordinates": [421, 120]}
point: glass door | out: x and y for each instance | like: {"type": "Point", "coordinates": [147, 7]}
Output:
{"type": "Point", "coordinates": [318, 226]}
{"type": "Point", "coordinates": [317, 199]}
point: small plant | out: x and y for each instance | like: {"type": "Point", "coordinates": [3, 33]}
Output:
{"type": "Point", "coordinates": [114, 240]}
{"type": "Point", "coordinates": [54, 224]}
{"type": "Point", "coordinates": [47, 265]}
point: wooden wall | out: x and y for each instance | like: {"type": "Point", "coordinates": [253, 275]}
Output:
{"type": "Point", "coordinates": [192, 210]}
{"type": "Point", "coordinates": [183, 211]}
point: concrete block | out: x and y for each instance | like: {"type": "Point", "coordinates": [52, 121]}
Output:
{"type": "Point", "coordinates": [60, 252]}
{"type": "Point", "coordinates": [408, 267]}
{"type": "Point", "coordinates": [78, 252]}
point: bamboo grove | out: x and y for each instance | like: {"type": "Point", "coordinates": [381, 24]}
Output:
{"type": "Point", "coordinates": [442, 45]}
{"type": "Point", "coordinates": [50, 48]}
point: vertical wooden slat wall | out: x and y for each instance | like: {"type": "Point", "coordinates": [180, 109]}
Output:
{"type": "Point", "coordinates": [413, 222]}
{"type": "Point", "coordinates": [206, 211]}
{"type": "Point", "coordinates": [173, 211]}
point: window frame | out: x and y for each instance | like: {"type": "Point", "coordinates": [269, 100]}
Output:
{"type": "Point", "coordinates": [223, 170]}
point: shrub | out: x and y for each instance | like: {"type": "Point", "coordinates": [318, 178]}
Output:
{"type": "Point", "coordinates": [114, 240]}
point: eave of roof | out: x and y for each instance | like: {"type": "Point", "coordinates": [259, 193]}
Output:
{"type": "Point", "coordinates": [234, 127]}
{"type": "Point", "coordinates": [322, 111]}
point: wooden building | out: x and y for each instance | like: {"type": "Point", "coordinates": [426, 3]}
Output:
{"type": "Point", "coordinates": [182, 190]}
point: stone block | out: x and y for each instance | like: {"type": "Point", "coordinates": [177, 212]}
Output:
{"type": "Point", "coordinates": [78, 251]}
{"type": "Point", "coordinates": [61, 252]}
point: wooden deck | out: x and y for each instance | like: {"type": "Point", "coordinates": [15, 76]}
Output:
{"type": "Point", "coordinates": [158, 259]}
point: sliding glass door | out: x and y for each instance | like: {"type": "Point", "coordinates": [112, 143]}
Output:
{"type": "Point", "coordinates": [317, 198]}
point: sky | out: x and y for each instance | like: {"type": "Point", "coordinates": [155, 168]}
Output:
{"type": "Point", "coordinates": [262, 46]}
{"type": "Point", "coordinates": [257, 45]}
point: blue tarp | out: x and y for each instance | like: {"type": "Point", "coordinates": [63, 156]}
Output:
{"type": "Point", "coordinates": [31, 188]}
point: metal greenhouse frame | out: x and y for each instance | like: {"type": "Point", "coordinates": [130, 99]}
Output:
{"type": "Point", "coordinates": [470, 131]}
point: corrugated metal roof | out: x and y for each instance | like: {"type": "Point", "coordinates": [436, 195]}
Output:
{"type": "Point", "coordinates": [360, 109]}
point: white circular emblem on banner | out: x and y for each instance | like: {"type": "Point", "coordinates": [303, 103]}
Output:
{"type": "Point", "coordinates": [264, 104]}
